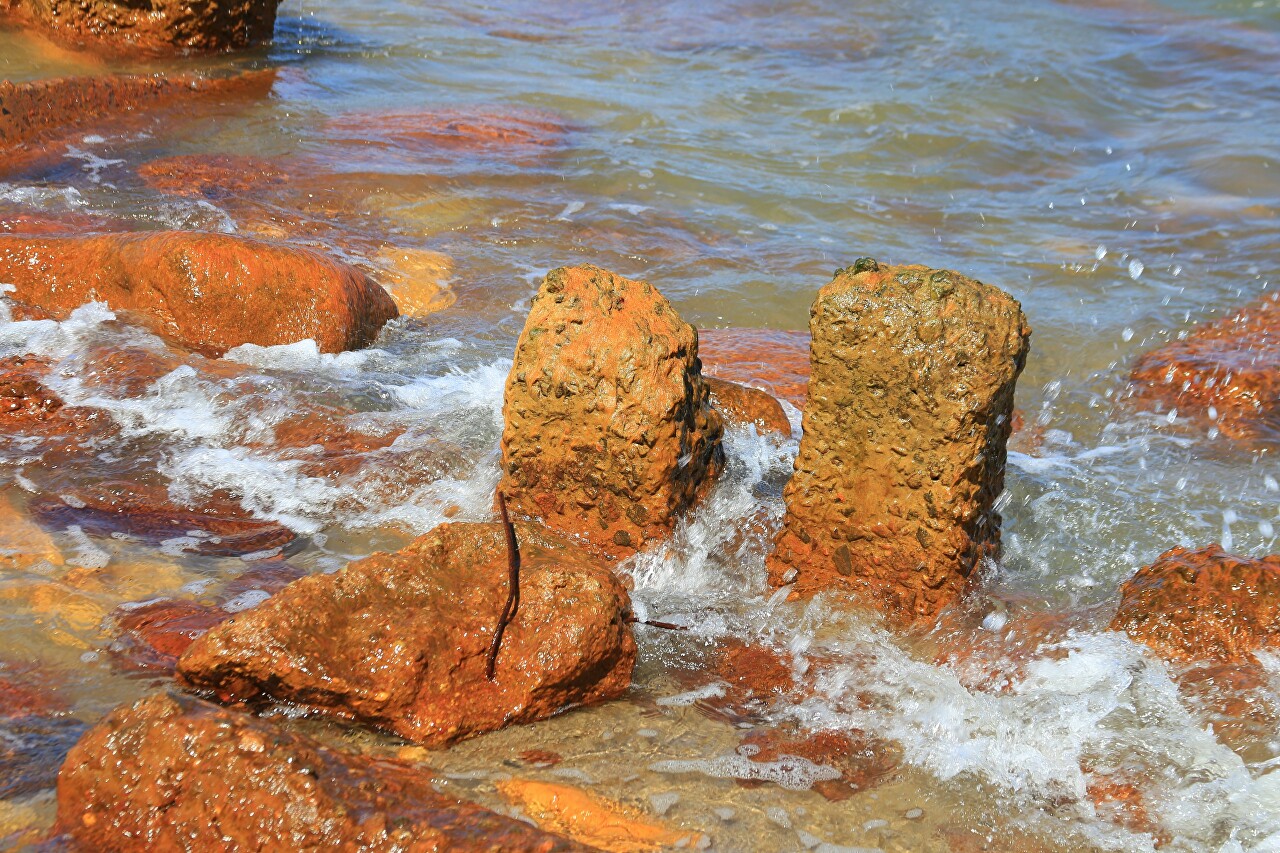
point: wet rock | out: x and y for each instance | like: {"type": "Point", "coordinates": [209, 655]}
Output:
{"type": "Point", "coordinates": [417, 280]}
{"type": "Point", "coordinates": [155, 28]}
{"type": "Point", "coordinates": [22, 396]}
{"type": "Point", "coordinates": [211, 176]}
{"type": "Point", "coordinates": [39, 118]}
{"type": "Point", "coordinates": [477, 129]}
{"type": "Point", "coordinates": [608, 432]}
{"type": "Point", "coordinates": [31, 748]}
{"type": "Point", "coordinates": [743, 405]}
{"type": "Point", "coordinates": [400, 641]}
{"type": "Point", "coordinates": [154, 635]}
{"type": "Point", "coordinates": [178, 771]}
{"type": "Point", "coordinates": [221, 528]}
{"type": "Point", "coordinates": [1198, 604]}
{"type": "Point", "coordinates": [767, 358]}
{"type": "Point", "coordinates": [1225, 374]}
{"type": "Point", "coordinates": [903, 451]}
{"type": "Point", "coordinates": [593, 820]}
{"type": "Point", "coordinates": [207, 292]}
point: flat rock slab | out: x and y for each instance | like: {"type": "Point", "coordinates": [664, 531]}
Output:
{"type": "Point", "coordinates": [207, 292]}
{"type": "Point", "coordinates": [909, 410]}
{"type": "Point", "coordinates": [400, 641]}
{"type": "Point", "coordinates": [175, 773]}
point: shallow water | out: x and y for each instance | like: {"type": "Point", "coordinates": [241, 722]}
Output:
{"type": "Point", "coordinates": [1114, 165]}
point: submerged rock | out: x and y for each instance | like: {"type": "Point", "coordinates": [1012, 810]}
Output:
{"type": "Point", "coordinates": [220, 528]}
{"type": "Point", "coordinates": [1203, 604]}
{"type": "Point", "coordinates": [154, 28]}
{"type": "Point", "coordinates": [39, 118]}
{"type": "Point", "coordinates": [743, 405]}
{"type": "Point", "coordinates": [212, 176]}
{"type": "Point", "coordinates": [903, 451]}
{"type": "Point", "coordinates": [154, 635]}
{"type": "Point", "coordinates": [1226, 372]}
{"type": "Point", "coordinates": [496, 129]}
{"type": "Point", "coordinates": [768, 358]}
{"type": "Point", "coordinates": [184, 774]}
{"type": "Point", "coordinates": [400, 641]}
{"type": "Point", "coordinates": [207, 292]}
{"type": "Point", "coordinates": [608, 432]}
{"type": "Point", "coordinates": [593, 820]}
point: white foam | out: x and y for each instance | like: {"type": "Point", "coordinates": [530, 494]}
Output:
{"type": "Point", "coordinates": [791, 772]}
{"type": "Point", "coordinates": [303, 356]}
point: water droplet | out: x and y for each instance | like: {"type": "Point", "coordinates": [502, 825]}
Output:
{"type": "Point", "coordinates": [1135, 269]}
{"type": "Point", "coordinates": [1127, 334]}
{"type": "Point", "coordinates": [1265, 528]}
{"type": "Point", "coordinates": [1271, 484]}
{"type": "Point", "coordinates": [1100, 252]}
{"type": "Point", "coordinates": [1172, 416]}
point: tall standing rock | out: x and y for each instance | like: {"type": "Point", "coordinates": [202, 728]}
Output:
{"type": "Point", "coordinates": [609, 433]}
{"type": "Point", "coordinates": [903, 452]}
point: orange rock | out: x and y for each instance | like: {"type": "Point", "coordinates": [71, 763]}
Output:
{"type": "Point", "coordinates": [469, 128]}
{"type": "Point", "coordinates": [210, 175]}
{"type": "Point", "coordinates": [39, 118]}
{"type": "Point", "coordinates": [185, 774]}
{"type": "Point", "coordinates": [208, 292]}
{"type": "Point", "coordinates": [599, 823]}
{"type": "Point", "coordinates": [903, 450]}
{"type": "Point", "coordinates": [1226, 373]}
{"type": "Point", "coordinates": [608, 431]}
{"type": "Point", "coordinates": [1202, 604]}
{"type": "Point", "coordinates": [223, 528]}
{"type": "Point", "coordinates": [400, 641]}
{"type": "Point", "coordinates": [120, 28]}
{"type": "Point", "coordinates": [768, 358]}
{"type": "Point", "coordinates": [155, 635]}
{"type": "Point", "coordinates": [22, 396]}
{"type": "Point", "coordinates": [741, 404]}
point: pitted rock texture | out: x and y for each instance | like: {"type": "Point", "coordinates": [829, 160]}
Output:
{"type": "Point", "coordinates": [1226, 373]}
{"type": "Point", "coordinates": [903, 450]}
{"type": "Point", "coordinates": [1203, 604]}
{"type": "Point", "coordinates": [609, 433]}
{"type": "Point", "coordinates": [207, 292]}
{"type": "Point", "coordinates": [400, 641]}
{"type": "Point", "coordinates": [743, 405]}
{"type": "Point", "coordinates": [38, 118]}
{"type": "Point", "coordinates": [152, 27]}
{"type": "Point", "coordinates": [175, 773]}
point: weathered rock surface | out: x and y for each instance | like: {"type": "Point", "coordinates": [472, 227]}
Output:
{"type": "Point", "coordinates": [39, 117]}
{"type": "Point", "coordinates": [208, 292]}
{"type": "Point", "coordinates": [903, 451]}
{"type": "Point", "coordinates": [400, 641]}
{"type": "Point", "coordinates": [220, 528]}
{"type": "Point", "coordinates": [743, 405]}
{"type": "Point", "coordinates": [23, 398]}
{"type": "Point", "coordinates": [175, 773]}
{"type": "Point", "coordinates": [609, 433]}
{"type": "Point", "coordinates": [1203, 604]}
{"type": "Point", "coordinates": [767, 358]}
{"type": "Point", "coordinates": [151, 27]}
{"type": "Point", "coordinates": [1226, 372]}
